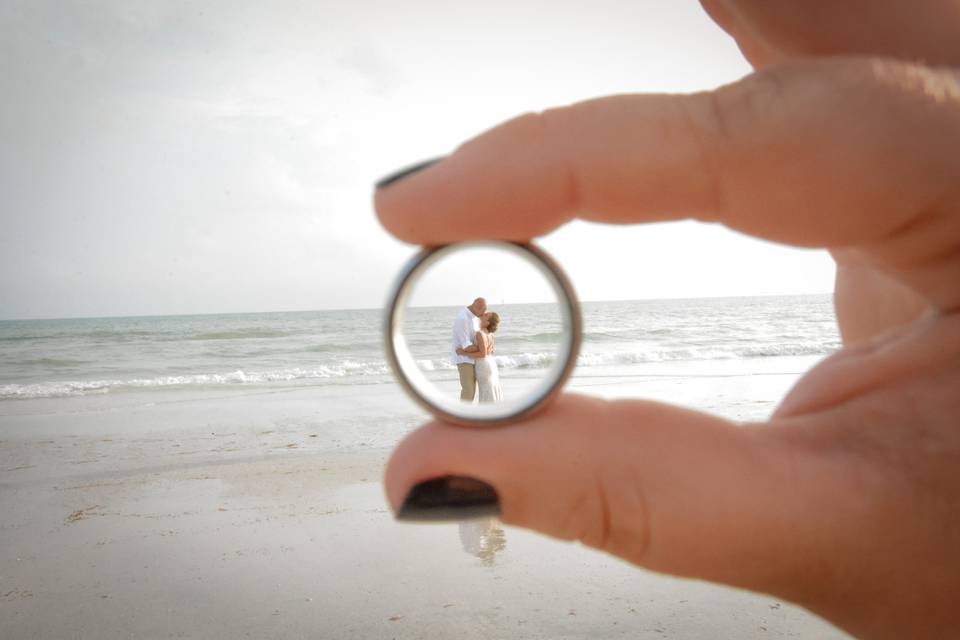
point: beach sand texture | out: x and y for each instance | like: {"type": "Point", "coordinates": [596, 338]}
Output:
{"type": "Point", "coordinates": [257, 511]}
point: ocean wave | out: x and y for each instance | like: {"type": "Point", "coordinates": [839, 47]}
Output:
{"type": "Point", "coordinates": [520, 361]}
{"type": "Point", "coordinates": [706, 353]}
{"type": "Point", "coordinates": [71, 388]}
{"type": "Point", "coordinates": [789, 349]}
{"type": "Point", "coordinates": [539, 360]}
{"type": "Point", "coordinates": [603, 334]}
{"type": "Point", "coordinates": [526, 361]}
{"type": "Point", "coordinates": [53, 362]}
{"type": "Point", "coordinates": [95, 336]}
{"type": "Point", "coordinates": [359, 346]}
{"type": "Point", "coordinates": [241, 334]}
{"type": "Point", "coordinates": [546, 336]}
{"type": "Point", "coordinates": [436, 365]}
{"type": "Point", "coordinates": [24, 338]}
{"type": "Point", "coordinates": [364, 368]}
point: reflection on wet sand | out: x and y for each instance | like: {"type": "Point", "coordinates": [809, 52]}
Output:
{"type": "Point", "coordinates": [483, 538]}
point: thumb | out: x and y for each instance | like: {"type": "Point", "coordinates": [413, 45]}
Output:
{"type": "Point", "coordinates": [670, 489]}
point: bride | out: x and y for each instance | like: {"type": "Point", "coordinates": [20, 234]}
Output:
{"type": "Point", "coordinates": [488, 376]}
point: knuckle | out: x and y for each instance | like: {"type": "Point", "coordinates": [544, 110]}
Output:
{"type": "Point", "coordinates": [610, 513]}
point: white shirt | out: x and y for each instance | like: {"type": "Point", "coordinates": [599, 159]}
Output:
{"type": "Point", "coordinates": [465, 328]}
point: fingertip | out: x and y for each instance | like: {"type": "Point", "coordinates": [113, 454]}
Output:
{"type": "Point", "coordinates": [434, 451]}
{"type": "Point", "coordinates": [400, 473]}
{"type": "Point", "coordinates": [395, 197]}
{"type": "Point", "coordinates": [405, 173]}
{"type": "Point", "coordinates": [498, 456]}
{"type": "Point", "coordinates": [509, 183]}
{"type": "Point", "coordinates": [449, 498]}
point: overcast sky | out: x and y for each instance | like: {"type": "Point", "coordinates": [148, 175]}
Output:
{"type": "Point", "coordinates": [201, 157]}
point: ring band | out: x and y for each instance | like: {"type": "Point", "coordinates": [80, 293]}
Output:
{"type": "Point", "coordinates": [409, 375]}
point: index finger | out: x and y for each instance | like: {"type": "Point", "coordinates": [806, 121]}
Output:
{"type": "Point", "coordinates": [827, 153]}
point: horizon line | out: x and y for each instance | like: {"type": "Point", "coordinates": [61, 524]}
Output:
{"type": "Point", "coordinates": [238, 313]}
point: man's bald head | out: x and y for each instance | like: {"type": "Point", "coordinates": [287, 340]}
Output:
{"type": "Point", "coordinates": [479, 306]}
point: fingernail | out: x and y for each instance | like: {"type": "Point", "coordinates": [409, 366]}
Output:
{"type": "Point", "coordinates": [406, 172]}
{"type": "Point", "coordinates": [450, 498]}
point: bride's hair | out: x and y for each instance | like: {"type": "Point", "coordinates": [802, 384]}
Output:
{"type": "Point", "coordinates": [493, 322]}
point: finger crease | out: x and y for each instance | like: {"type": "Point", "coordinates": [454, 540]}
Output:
{"type": "Point", "coordinates": [554, 127]}
{"type": "Point", "coordinates": [605, 525]}
{"type": "Point", "coordinates": [708, 108]}
{"type": "Point", "coordinates": [645, 532]}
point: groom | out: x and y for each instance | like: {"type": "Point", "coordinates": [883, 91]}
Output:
{"type": "Point", "coordinates": [465, 328]}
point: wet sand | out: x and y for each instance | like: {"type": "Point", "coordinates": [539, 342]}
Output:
{"type": "Point", "coordinates": [249, 515]}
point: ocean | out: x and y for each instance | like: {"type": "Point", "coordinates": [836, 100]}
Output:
{"type": "Point", "coordinates": [154, 356]}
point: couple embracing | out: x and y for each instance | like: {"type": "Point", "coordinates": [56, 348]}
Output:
{"type": "Point", "coordinates": [473, 353]}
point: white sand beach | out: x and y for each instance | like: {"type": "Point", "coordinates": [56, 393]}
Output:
{"type": "Point", "coordinates": [242, 514]}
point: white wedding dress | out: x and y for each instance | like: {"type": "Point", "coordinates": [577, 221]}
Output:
{"type": "Point", "coordinates": [488, 380]}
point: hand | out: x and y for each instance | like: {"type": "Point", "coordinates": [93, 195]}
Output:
{"type": "Point", "coordinates": [848, 500]}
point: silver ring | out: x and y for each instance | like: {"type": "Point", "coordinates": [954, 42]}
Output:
{"type": "Point", "coordinates": [409, 375]}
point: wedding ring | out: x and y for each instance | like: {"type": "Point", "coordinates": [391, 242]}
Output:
{"type": "Point", "coordinates": [412, 374]}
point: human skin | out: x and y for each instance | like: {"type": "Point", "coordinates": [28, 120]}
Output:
{"type": "Point", "coordinates": [474, 351]}
{"type": "Point", "coordinates": [479, 309]}
{"type": "Point", "coordinates": [846, 137]}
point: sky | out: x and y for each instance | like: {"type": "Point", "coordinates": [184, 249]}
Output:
{"type": "Point", "coordinates": [499, 275]}
{"type": "Point", "coordinates": [210, 157]}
